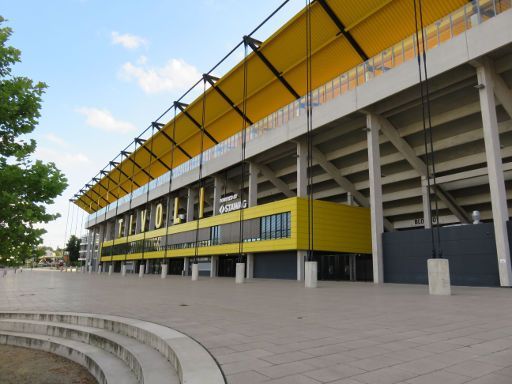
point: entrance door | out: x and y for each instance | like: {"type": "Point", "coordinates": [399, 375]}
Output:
{"type": "Point", "coordinates": [333, 267]}
{"type": "Point", "coordinates": [175, 266]}
{"type": "Point", "coordinates": [227, 266]}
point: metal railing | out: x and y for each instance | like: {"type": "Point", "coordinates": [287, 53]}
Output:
{"type": "Point", "coordinates": [445, 29]}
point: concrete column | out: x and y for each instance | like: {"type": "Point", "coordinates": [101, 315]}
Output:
{"type": "Point", "coordinates": [439, 277]}
{"type": "Point", "coordinates": [100, 268]}
{"type": "Point", "coordinates": [110, 269]}
{"type": "Point", "coordinates": [186, 262]}
{"type": "Point", "coordinates": [302, 169]}
{"type": "Point", "coordinates": [311, 274]}
{"type": "Point", "coordinates": [195, 271]}
{"type": "Point", "coordinates": [301, 257]}
{"type": "Point", "coordinates": [191, 199]}
{"type": "Point", "coordinates": [350, 199]}
{"type": "Point", "coordinates": [218, 190]}
{"type": "Point", "coordinates": [240, 273]}
{"type": "Point", "coordinates": [165, 268]}
{"type": "Point", "coordinates": [147, 266]}
{"type": "Point", "coordinates": [427, 209]}
{"type": "Point", "coordinates": [302, 191]}
{"type": "Point", "coordinates": [213, 266]}
{"type": "Point", "coordinates": [141, 270]}
{"type": "Point", "coordinates": [495, 171]}
{"type": "Point", "coordinates": [376, 210]}
{"type": "Point", "coordinates": [123, 269]}
{"type": "Point", "coordinates": [250, 266]}
{"type": "Point", "coordinates": [252, 198]}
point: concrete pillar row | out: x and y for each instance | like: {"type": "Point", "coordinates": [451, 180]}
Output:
{"type": "Point", "coordinates": [485, 74]}
{"type": "Point", "coordinates": [376, 208]}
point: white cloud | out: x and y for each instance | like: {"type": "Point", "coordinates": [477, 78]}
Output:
{"type": "Point", "coordinates": [175, 75]}
{"type": "Point", "coordinates": [128, 40]}
{"type": "Point", "coordinates": [56, 139]}
{"type": "Point", "coordinates": [62, 159]}
{"type": "Point", "coordinates": [103, 119]}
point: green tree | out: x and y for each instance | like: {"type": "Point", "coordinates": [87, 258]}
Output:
{"type": "Point", "coordinates": [73, 248]}
{"type": "Point", "coordinates": [27, 186]}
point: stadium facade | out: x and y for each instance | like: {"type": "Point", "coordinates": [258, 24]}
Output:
{"type": "Point", "coordinates": [390, 170]}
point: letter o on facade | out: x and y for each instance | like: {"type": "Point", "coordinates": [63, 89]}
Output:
{"type": "Point", "coordinates": [158, 215]}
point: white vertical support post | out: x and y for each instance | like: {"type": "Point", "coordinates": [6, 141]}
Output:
{"type": "Point", "coordinates": [302, 169]}
{"type": "Point", "coordinates": [195, 271]}
{"type": "Point", "coordinates": [186, 263]}
{"type": "Point", "coordinates": [252, 201]}
{"type": "Point", "coordinates": [191, 198]}
{"type": "Point", "coordinates": [301, 257]}
{"type": "Point", "coordinates": [376, 210]}
{"type": "Point", "coordinates": [165, 271]}
{"type": "Point", "coordinates": [214, 261]}
{"type": "Point", "coordinates": [495, 170]}
{"type": "Point", "coordinates": [110, 268]}
{"type": "Point", "coordinates": [252, 198]}
{"type": "Point", "coordinates": [350, 199]}
{"type": "Point", "coordinates": [147, 266]}
{"type": "Point", "coordinates": [427, 210]}
{"type": "Point", "coordinates": [123, 268]}
{"type": "Point", "coordinates": [218, 189]}
{"type": "Point", "coordinates": [302, 191]}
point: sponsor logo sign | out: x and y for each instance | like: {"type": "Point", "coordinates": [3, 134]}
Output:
{"type": "Point", "coordinates": [231, 202]}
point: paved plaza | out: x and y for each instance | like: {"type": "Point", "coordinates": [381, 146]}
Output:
{"type": "Point", "coordinates": [274, 331]}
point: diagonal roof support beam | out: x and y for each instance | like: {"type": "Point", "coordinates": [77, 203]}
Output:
{"type": "Point", "coordinates": [106, 174]}
{"type": "Point", "coordinates": [419, 166]}
{"type": "Point", "coordinates": [127, 154]}
{"type": "Point", "coordinates": [114, 164]}
{"type": "Point", "coordinates": [255, 46]}
{"type": "Point", "coordinates": [83, 192]}
{"type": "Point", "coordinates": [503, 93]}
{"type": "Point", "coordinates": [345, 183]}
{"type": "Point", "coordinates": [140, 141]}
{"type": "Point", "coordinates": [97, 181]}
{"type": "Point", "coordinates": [278, 183]}
{"type": "Point", "coordinates": [211, 80]}
{"type": "Point", "coordinates": [159, 127]}
{"type": "Point", "coordinates": [343, 30]}
{"type": "Point", "coordinates": [182, 107]}
{"type": "Point", "coordinates": [96, 193]}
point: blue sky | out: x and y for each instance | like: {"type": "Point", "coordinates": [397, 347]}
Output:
{"type": "Point", "coordinates": [113, 66]}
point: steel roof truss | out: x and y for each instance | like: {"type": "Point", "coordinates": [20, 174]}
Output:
{"type": "Point", "coordinates": [255, 46]}
{"type": "Point", "coordinates": [335, 19]}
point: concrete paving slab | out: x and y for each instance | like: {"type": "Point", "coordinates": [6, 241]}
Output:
{"type": "Point", "coordinates": [274, 323]}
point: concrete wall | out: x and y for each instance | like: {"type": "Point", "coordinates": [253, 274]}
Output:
{"type": "Point", "coordinates": [470, 249]}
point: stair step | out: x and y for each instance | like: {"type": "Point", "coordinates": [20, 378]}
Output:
{"type": "Point", "coordinates": [148, 365]}
{"type": "Point", "coordinates": [105, 367]}
{"type": "Point", "coordinates": [190, 360]}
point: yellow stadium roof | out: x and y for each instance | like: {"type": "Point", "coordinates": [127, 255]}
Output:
{"type": "Point", "coordinates": [344, 34]}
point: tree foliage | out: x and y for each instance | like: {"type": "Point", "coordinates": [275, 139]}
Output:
{"type": "Point", "coordinates": [26, 186]}
{"type": "Point", "coordinates": [73, 248]}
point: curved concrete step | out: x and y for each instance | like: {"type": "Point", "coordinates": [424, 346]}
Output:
{"type": "Point", "coordinates": [148, 365]}
{"type": "Point", "coordinates": [105, 367]}
{"type": "Point", "coordinates": [191, 361]}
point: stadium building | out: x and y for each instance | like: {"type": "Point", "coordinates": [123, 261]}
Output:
{"type": "Point", "coordinates": [350, 137]}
